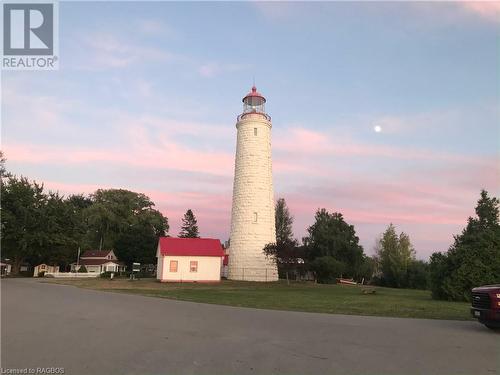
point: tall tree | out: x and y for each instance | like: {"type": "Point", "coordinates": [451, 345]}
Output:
{"type": "Point", "coordinates": [284, 222]}
{"type": "Point", "coordinates": [395, 254]}
{"type": "Point", "coordinates": [330, 235]}
{"type": "Point", "coordinates": [114, 211]}
{"type": "Point", "coordinates": [22, 210]}
{"type": "Point", "coordinates": [474, 257]}
{"type": "Point", "coordinates": [189, 228]}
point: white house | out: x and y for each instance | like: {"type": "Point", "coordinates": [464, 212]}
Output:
{"type": "Point", "coordinates": [44, 268]}
{"type": "Point", "coordinates": [99, 261]}
{"type": "Point", "coordinates": [5, 268]}
{"type": "Point", "coordinates": [189, 259]}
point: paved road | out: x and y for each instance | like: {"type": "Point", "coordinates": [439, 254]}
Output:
{"type": "Point", "coordinates": [92, 332]}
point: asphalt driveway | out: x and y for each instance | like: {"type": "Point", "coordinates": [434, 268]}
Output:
{"type": "Point", "coordinates": [92, 332]}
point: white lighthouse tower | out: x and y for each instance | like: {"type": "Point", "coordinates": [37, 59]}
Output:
{"type": "Point", "coordinates": [252, 216]}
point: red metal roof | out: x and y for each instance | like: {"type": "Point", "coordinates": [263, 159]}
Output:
{"type": "Point", "coordinates": [205, 247]}
{"type": "Point", "coordinates": [95, 254]}
{"type": "Point", "coordinates": [254, 92]}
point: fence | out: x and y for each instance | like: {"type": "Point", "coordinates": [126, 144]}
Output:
{"type": "Point", "coordinates": [72, 275]}
{"type": "Point", "coordinates": [253, 274]}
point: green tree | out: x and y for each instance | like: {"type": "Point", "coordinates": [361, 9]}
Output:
{"type": "Point", "coordinates": [114, 212]}
{"type": "Point", "coordinates": [189, 228]}
{"type": "Point", "coordinates": [285, 254]}
{"type": "Point", "coordinates": [22, 235]}
{"type": "Point", "coordinates": [284, 222]}
{"type": "Point", "coordinates": [3, 170]}
{"type": "Point", "coordinates": [474, 257]}
{"type": "Point", "coordinates": [395, 254]}
{"type": "Point", "coordinates": [327, 269]}
{"type": "Point", "coordinates": [418, 275]}
{"type": "Point", "coordinates": [331, 236]}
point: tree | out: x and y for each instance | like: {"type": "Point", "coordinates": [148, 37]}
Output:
{"type": "Point", "coordinates": [189, 228]}
{"type": "Point", "coordinates": [22, 234]}
{"type": "Point", "coordinates": [395, 254]}
{"type": "Point", "coordinates": [122, 220]}
{"type": "Point", "coordinates": [366, 269]}
{"type": "Point", "coordinates": [327, 269]}
{"type": "Point", "coordinates": [284, 222]}
{"type": "Point", "coordinates": [418, 275]}
{"type": "Point", "coordinates": [114, 212]}
{"type": "Point", "coordinates": [285, 254]}
{"type": "Point", "coordinates": [3, 170]}
{"type": "Point", "coordinates": [474, 257]}
{"type": "Point", "coordinates": [331, 236]}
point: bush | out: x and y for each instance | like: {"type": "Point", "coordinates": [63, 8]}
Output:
{"type": "Point", "coordinates": [107, 274]}
{"type": "Point", "coordinates": [418, 275]}
{"type": "Point", "coordinates": [327, 269]}
{"type": "Point", "coordinates": [41, 274]}
{"type": "Point", "coordinates": [438, 270]}
{"type": "Point", "coordinates": [82, 269]}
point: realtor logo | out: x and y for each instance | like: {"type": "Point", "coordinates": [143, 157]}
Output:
{"type": "Point", "coordinates": [29, 35]}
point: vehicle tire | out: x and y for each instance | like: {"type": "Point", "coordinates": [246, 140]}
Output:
{"type": "Point", "coordinates": [492, 326]}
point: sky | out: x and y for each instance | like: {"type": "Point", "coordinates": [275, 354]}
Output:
{"type": "Point", "coordinates": [147, 94]}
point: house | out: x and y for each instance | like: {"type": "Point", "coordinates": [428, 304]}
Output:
{"type": "Point", "coordinates": [99, 261]}
{"type": "Point", "coordinates": [5, 268]}
{"type": "Point", "coordinates": [45, 268]}
{"type": "Point", "coordinates": [189, 259]}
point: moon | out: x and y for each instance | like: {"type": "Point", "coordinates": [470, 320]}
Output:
{"type": "Point", "coordinates": [377, 128]}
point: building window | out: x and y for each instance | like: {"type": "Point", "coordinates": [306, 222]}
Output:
{"type": "Point", "coordinates": [173, 266]}
{"type": "Point", "coordinates": [255, 217]}
{"type": "Point", "coordinates": [193, 266]}
{"type": "Point", "coordinates": [255, 131]}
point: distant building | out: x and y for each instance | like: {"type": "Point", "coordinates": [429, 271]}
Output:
{"type": "Point", "coordinates": [5, 268]}
{"type": "Point", "coordinates": [189, 259]}
{"type": "Point", "coordinates": [44, 268]}
{"type": "Point", "coordinates": [99, 261]}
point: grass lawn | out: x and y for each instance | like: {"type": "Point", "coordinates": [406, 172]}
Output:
{"type": "Point", "coordinates": [334, 299]}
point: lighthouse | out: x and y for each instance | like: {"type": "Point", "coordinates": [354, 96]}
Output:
{"type": "Point", "coordinates": [252, 214]}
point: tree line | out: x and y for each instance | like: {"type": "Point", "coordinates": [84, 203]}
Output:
{"type": "Point", "coordinates": [43, 226]}
{"type": "Point", "coordinates": [331, 250]}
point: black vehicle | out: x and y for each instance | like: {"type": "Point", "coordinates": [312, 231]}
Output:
{"type": "Point", "coordinates": [486, 305]}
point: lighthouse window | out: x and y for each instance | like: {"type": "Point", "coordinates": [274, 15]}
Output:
{"type": "Point", "coordinates": [255, 217]}
{"type": "Point", "coordinates": [255, 131]}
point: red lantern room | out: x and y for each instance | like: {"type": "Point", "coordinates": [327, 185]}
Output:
{"type": "Point", "coordinates": [254, 103]}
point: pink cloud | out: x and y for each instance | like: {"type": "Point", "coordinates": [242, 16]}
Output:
{"type": "Point", "coordinates": [166, 155]}
{"type": "Point", "coordinates": [489, 10]}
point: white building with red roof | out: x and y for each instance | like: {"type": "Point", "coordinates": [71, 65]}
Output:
{"type": "Point", "coordinates": [189, 259]}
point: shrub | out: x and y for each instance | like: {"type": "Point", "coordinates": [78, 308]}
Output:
{"type": "Point", "coordinates": [418, 275]}
{"type": "Point", "coordinates": [41, 274]}
{"type": "Point", "coordinates": [327, 269]}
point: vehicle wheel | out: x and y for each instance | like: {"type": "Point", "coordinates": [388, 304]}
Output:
{"type": "Point", "coordinates": [491, 326]}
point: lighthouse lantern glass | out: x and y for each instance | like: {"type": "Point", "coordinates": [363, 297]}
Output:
{"type": "Point", "coordinates": [254, 104]}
